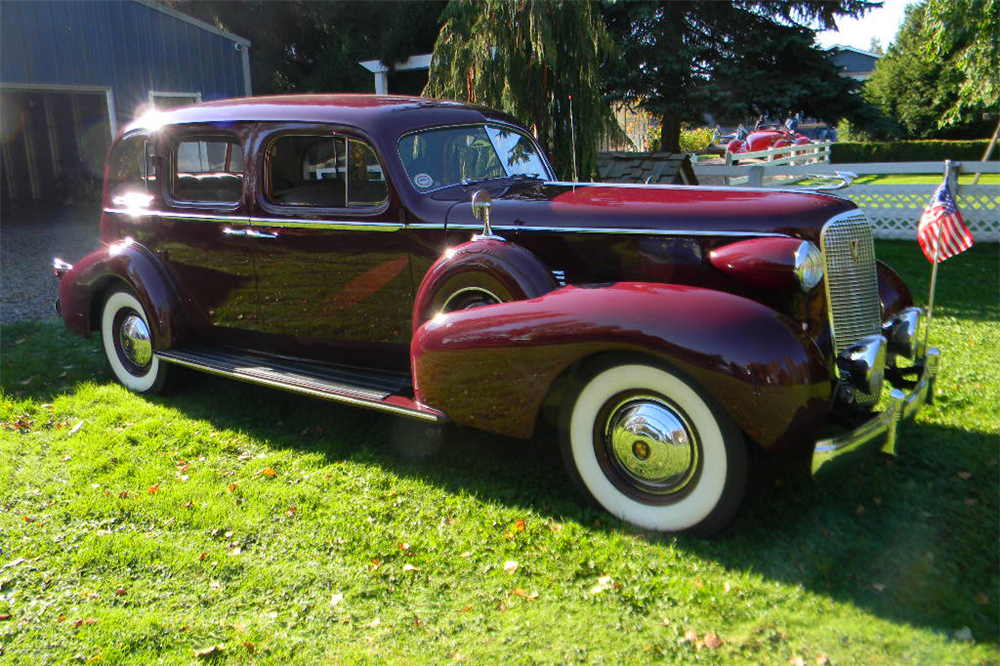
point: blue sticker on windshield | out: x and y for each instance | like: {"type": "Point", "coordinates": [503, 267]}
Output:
{"type": "Point", "coordinates": [423, 180]}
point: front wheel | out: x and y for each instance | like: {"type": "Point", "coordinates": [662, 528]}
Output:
{"type": "Point", "coordinates": [654, 450]}
{"type": "Point", "coordinates": [128, 344]}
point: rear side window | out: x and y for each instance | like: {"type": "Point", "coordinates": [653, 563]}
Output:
{"type": "Point", "coordinates": [131, 171]}
{"type": "Point", "coordinates": [324, 171]}
{"type": "Point", "coordinates": [208, 170]}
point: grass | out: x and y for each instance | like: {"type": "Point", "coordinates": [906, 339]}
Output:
{"type": "Point", "coordinates": [924, 179]}
{"type": "Point", "coordinates": [254, 527]}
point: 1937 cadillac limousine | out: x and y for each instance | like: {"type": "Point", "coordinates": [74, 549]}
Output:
{"type": "Point", "coordinates": [418, 256]}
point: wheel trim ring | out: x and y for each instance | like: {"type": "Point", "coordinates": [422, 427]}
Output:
{"type": "Point", "coordinates": [627, 482]}
{"type": "Point", "coordinates": [466, 294]}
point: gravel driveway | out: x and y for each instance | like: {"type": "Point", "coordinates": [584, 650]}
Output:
{"type": "Point", "coordinates": [28, 241]}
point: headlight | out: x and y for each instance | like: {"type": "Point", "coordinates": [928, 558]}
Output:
{"type": "Point", "coordinates": [808, 265]}
{"type": "Point", "coordinates": [902, 331]}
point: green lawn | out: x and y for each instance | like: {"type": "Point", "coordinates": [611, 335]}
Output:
{"type": "Point", "coordinates": [265, 528]}
{"type": "Point", "coordinates": [925, 179]}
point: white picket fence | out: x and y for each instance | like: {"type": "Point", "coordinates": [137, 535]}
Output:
{"type": "Point", "coordinates": [893, 209]}
{"type": "Point", "coordinates": [810, 153]}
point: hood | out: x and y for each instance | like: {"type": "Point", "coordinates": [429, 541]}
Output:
{"type": "Point", "coordinates": [728, 210]}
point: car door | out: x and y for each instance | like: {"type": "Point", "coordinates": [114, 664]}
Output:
{"type": "Point", "coordinates": [332, 259]}
{"type": "Point", "coordinates": [203, 231]}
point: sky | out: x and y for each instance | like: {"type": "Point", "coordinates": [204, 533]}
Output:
{"type": "Point", "coordinates": [881, 23]}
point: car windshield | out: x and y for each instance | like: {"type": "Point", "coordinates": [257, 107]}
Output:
{"type": "Point", "coordinates": [441, 157]}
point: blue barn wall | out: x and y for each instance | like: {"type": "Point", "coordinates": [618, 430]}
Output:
{"type": "Point", "coordinates": [129, 47]}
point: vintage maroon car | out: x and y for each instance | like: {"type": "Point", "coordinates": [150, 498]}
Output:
{"type": "Point", "coordinates": [418, 257]}
{"type": "Point", "coordinates": [766, 137]}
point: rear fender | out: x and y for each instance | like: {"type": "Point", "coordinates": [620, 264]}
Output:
{"type": "Point", "coordinates": [492, 367]}
{"type": "Point", "coordinates": [128, 263]}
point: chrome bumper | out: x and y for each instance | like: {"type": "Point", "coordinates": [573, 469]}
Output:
{"type": "Point", "coordinates": [886, 424]}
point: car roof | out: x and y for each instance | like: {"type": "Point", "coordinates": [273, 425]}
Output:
{"type": "Point", "coordinates": [377, 114]}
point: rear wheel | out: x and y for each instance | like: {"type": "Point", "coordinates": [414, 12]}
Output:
{"type": "Point", "coordinates": [128, 343]}
{"type": "Point", "coordinates": [653, 449]}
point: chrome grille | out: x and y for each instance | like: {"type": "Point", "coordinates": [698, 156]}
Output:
{"type": "Point", "coordinates": [851, 279]}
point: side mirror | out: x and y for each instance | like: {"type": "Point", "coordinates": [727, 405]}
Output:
{"type": "Point", "coordinates": [481, 204]}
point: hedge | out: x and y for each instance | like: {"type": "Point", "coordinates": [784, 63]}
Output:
{"type": "Point", "coordinates": [930, 150]}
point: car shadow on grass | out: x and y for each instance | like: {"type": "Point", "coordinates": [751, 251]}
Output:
{"type": "Point", "coordinates": [912, 539]}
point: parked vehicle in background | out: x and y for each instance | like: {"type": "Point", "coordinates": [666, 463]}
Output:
{"type": "Point", "coordinates": [764, 137]}
{"type": "Point", "coordinates": [419, 257]}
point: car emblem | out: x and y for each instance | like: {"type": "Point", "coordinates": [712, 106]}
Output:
{"type": "Point", "coordinates": [855, 249]}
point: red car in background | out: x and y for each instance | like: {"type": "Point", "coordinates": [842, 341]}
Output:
{"type": "Point", "coordinates": [765, 137]}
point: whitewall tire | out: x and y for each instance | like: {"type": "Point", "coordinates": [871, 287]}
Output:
{"type": "Point", "coordinates": [653, 449]}
{"type": "Point", "coordinates": [127, 339]}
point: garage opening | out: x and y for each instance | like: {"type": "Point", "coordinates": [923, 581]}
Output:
{"type": "Point", "coordinates": [53, 144]}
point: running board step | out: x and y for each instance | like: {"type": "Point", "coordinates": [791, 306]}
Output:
{"type": "Point", "coordinates": [385, 391]}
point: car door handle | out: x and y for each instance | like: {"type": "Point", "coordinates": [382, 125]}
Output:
{"type": "Point", "coordinates": [253, 233]}
{"type": "Point", "coordinates": [229, 231]}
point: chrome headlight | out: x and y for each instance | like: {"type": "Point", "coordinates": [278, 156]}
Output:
{"type": "Point", "coordinates": [902, 331]}
{"type": "Point", "coordinates": [808, 265]}
{"type": "Point", "coordinates": [863, 363]}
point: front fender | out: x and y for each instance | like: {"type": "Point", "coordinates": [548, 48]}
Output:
{"type": "Point", "coordinates": [130, 264]}
{"type": "Point", "coordinates": [492, 367]}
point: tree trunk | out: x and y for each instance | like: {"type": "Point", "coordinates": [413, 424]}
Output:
{"type": "Point", "coordinates": [670, 134]}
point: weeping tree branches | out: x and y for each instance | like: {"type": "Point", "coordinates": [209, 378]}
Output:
{"type": "Point", "coordinates": [527, 58]}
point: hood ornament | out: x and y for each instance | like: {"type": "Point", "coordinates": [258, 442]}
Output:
{"type": "Point", "coordinates": [481, 204]}
{"type": "Point", "coordinates": [845, 178]}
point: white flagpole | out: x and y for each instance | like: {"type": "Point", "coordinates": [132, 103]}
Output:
{"type": "Point", "coordinates": [572, 134]}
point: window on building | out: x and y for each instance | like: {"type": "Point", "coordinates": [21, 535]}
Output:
{"type": "Point", "coordinates": [324, 171]}
{"type": "Point", "coordinates": [208, 170]}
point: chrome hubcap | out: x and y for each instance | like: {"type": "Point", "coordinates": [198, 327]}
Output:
{"type": "Point", "coordinates": [652, 444]}
{"type": "Point", "coordinates": [134, 340]}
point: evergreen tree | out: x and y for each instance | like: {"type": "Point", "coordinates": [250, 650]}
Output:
{"type": "Point", "coordinates": [680, 60]}
{"type": "Point", "coordinates": [527, 58]}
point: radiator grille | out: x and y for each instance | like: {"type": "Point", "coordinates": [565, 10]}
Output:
{"type": "Point", "coordinates": [851, 281]}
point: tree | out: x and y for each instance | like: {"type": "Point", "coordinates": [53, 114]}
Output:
{"type": "Point", "coordinates": [963, 34]}
{"type": "Point", "coordinates": [303, 46]}
{"type": "Point", "coordinates": [920, 85]}
{"type": "Point", "coordinates": [680, 60]}
{"type": "Point", "coordinates": [527, 58]}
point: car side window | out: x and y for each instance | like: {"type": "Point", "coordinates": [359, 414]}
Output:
{"type": "Point", "coordinates": [131, 169]}
{"type": "Point", "coordinates": [208, 170]}
{"type": "Point", "coordinates": [324, 171]}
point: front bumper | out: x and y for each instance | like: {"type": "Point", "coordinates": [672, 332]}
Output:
{"type": "Point", "coordinates": [884, 425]}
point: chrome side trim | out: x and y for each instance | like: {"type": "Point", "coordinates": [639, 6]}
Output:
{"type": "Point", "coordinates": [901, 406]}
{"type": "Point", "coordinates": [280, 222]}
{"type": "Point", "coordinates": [625, 231]}
{"type": "Point", "coordinates": [436, 417]}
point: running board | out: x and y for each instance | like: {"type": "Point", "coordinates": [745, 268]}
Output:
{"type": "Point", "coordinates": [384, 391]}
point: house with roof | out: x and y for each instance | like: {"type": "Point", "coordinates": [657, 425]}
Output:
{"type": "Point", "coordinates": [854, 63]}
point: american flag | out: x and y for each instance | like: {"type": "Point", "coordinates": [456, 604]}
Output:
{"type": "Point", "coordinates": [942, 232]}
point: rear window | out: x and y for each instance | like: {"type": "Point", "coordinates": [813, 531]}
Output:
{"type": "Point", "coordinates": [131, 170]}
{"type": "Point", "coordinates": [208, 170]}
{"type": "Point", "coordinates": [325, 172]}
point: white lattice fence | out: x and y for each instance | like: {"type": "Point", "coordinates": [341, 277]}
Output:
{"type": "Point", "coordinates": [895, 209]}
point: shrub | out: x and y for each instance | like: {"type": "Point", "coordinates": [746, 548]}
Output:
{"type": "Point", "coordinates": [908, 151]}
{"type": "Point", "coordinates": [695, 140]}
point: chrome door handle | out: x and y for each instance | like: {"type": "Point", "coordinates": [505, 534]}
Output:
{"type": "Point", "coordinates": [234, 232]}
{"type": "Point", "coordinates": [253, 233]}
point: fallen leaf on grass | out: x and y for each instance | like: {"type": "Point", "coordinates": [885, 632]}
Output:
{"type": "Point", "coordinates": [821, 660]}
{"type": "Point", "coordinates": [374, 623]}
{"type": "Point", "coordinates": [982, 599]}
{"type": "Point", "coordinates": [410, 567]}
{"type": "Point", "coordinates": [336, 599]}
{"type": "Point", "coordinates": [152, 490]}
{"type": "Point", "coordinates": [376, 563]}
{"type": "Point", "coordinates": [202, 557]}
{"type": "Point", "coordinates": [121, 592]}
{"type": "Point", "coordinates": [87, 621]}
{"type": "Point", "coordinates": [267, 471]}
{"type": "Point", "coordinates": [556, 527]}
{"type": "Point", "coordinates": [510, 566]}
{"type": "Point", "coordinates": [712, 641]}
{"type": "Point", "coordinates": [189, 505]}
{"type": "Point", "coordinates": [466, 609]}
{"type": "Point", "coordinates": [466, 554]}
{"type": "Point", "coordinates": [521, 593]}
{"type": "Point", "coordinates": [519, 526]}
{"type": "Point", "coordinates": [208, 652]}
{"type": "Point", "coordinates": [123, 494]}
{"type": "Point", "coordinates": [251, 648]}
{"type": "Point", "coordinates": [965, 475]}
{"type": "Point", "coordinates": [232, 487]}
{"type": "Point", "coordinates": [666, 622]}
{"type": "Point", "coordinates": [4, 616]}
{"type": "Point", "coordinates": [797, 661]}
{"type": "Point", "coordinates": [76, 428]}
{"type": "Point", "coordinates": [603, 583]}
{"type": "Point", "coordinates": [879, 587]}
{"type": "Point", "coordinates": [404, 546]}
{"type": "Point", "coordinates": [67, 458]}
{"type": "Point", "coordinates": [28, 519]}
{"type": "Point", "coordinates": [25, 382]}
{"type": "Point", "coordinates": [691, 636]}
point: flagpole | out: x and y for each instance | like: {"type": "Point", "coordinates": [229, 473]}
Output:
{"type": "Point", "coordinates": [949, 168]}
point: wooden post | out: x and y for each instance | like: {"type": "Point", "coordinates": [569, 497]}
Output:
{"type": "Point", "coordinates": [989, 149]}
